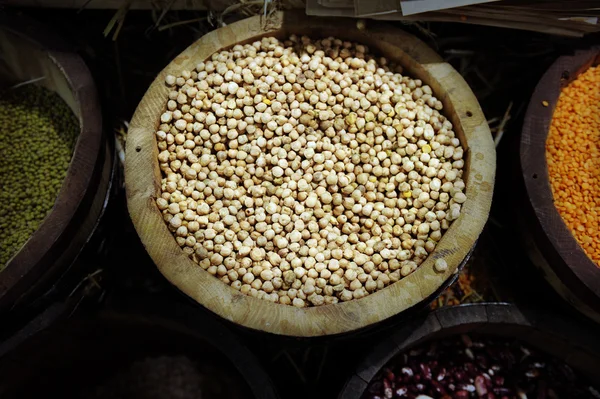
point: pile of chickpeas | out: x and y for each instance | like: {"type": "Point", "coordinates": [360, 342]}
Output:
{"type": "Point", "coordinates": [307, 172]}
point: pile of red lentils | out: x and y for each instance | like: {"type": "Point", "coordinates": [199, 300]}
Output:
{"type": "Point", "coordinates": [573, 156]}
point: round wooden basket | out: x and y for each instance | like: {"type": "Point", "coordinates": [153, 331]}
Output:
{"type": "Point", "coordinates": [142, 176]}
{"type": "Point", "coordinates": [551, 334]}
{"type": "Point", "coordinates": [74, 356]}
{"type": "Point", "coordinates": [551, 246]}
{"type": "Point", "coordinates": [29, 51]}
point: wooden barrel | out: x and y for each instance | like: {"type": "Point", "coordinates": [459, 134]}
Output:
{"type": "Point", "coordinates": [551, 246]}
{"type": "Point", "coordinates": [142, 176]}
{"type": "Point", "coordinates": [571, 342]}
{"type": "Point", "coordinates": [72, 358]}
{"type": "Point", "coordinates": [28, 51]}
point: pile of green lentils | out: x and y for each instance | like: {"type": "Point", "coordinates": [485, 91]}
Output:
{"type": "Point", "coordinates": [37, 136]}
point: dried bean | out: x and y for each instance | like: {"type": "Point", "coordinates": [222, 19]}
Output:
{"type": "Point", "coordinates": [387, 384]}
{"type": "Point", "coordinates": [439, 388]}
{"type": "Point", "coordinates": [480, 385]}
{"type": "Point", "coordinates": [494, 369]}
{"type": "Point", "coordinates": [425, 371]}
{"type": "Point", "coordinates": [441, 374]}
{"type": "Point", "coordinates": [460, 376]}
{"type": "Point", "coordinates": [461, 395]}
{"type": "Point", "coordinates": [407, 371]}
{"type": "Point", "coordinates": [389, 375]}
{"type": "Point", "coordinates": [466, 387]}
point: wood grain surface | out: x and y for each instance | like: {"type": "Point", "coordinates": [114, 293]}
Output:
{"type": "Point", "coordinates": [30, 51]}
{"type": "Point", "coordinates": [143, 177]}
{"type": "Point", "coordinates": [576, 346]}
{"type": "Point", "coordinates": [112, 4]}
{"type": "Point", "coordinates": [551, 245]}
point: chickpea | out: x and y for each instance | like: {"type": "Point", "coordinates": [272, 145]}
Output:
{"type": "Point", "coordinates": [306, 177]}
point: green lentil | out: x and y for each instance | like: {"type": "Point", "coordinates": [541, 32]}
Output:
{"type": "Point", "coordinates": [37, 136]}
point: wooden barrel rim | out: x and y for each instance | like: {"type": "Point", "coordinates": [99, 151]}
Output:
{"type": "Point", "coordinates": [548, 332]}
{"type": "Point", "coordinates": [27, 262]}
{"type": "Point", "coordinates": [567, 267]}
{"type": "Point", "coordinates": [420, 61]}
{"type": "Point", "coordinates": [209, 329]}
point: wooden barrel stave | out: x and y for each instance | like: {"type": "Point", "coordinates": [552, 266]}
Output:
{"type": "Point", "coordinates": [574, 343]}
{"type": "Point", "coordinates": [30, 51]}
{"type": "Point", "coordinates": [550, 244]}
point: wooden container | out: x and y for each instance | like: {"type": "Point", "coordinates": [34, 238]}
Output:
{"type": "Point", "coordinates": [551, 246]}
{"type": "Point", "coordinates": [77, 355]}
{"type": "Point", "coordinates": [28, 51]}
{"type": "Point", "coordinates": [554, 335]}
{"type": "Point", "coordinates": [142, 176]}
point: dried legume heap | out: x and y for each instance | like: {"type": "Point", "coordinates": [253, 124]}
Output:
{"type": "Point", "coordinates": [573, 156]}
{"type": "Point", "coordinates": [477, 367]}
{"type": "Point", "coordinates": [173, 377]}
{"type": "Point", "coordinates": [38, 133]}
{"type": "Point", "coordinates": [307, 172]}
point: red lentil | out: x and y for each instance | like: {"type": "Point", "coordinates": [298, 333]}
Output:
{"type": "Point", "coordinates": [573, 156]}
